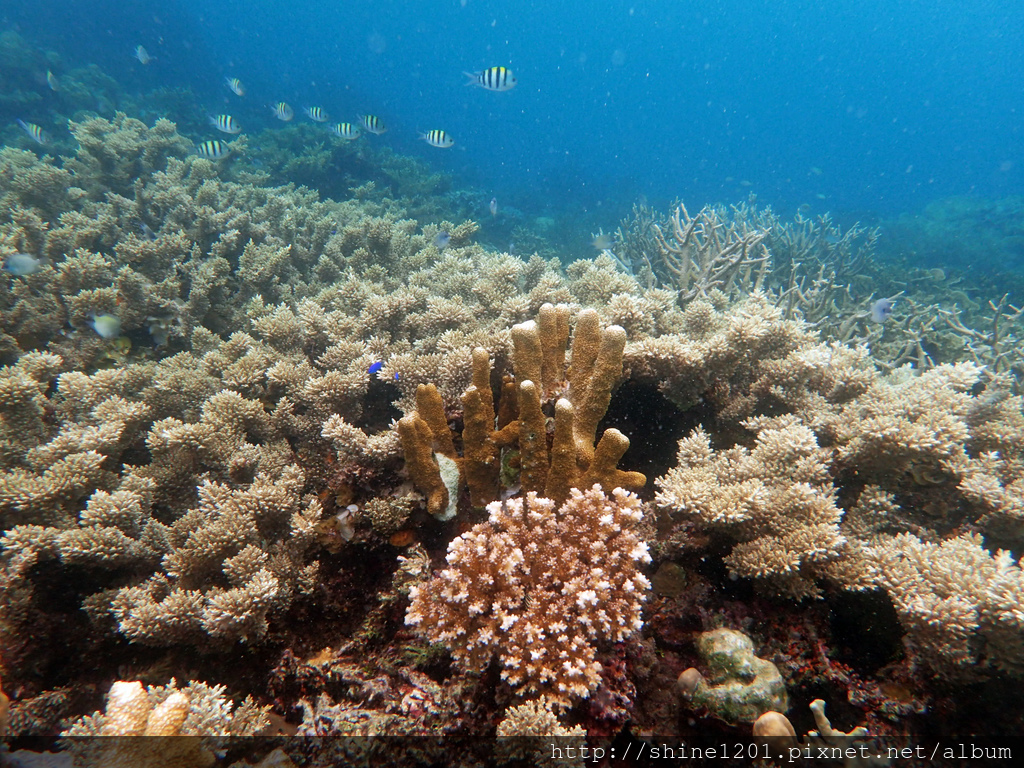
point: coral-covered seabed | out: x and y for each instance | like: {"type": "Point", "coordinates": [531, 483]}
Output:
{"type": "Point", "coordinates": [277, 465]}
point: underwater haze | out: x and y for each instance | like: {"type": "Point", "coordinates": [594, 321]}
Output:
{"type": "Point", "coordinates": [854, 106]}
{"type": "Point", "coordinates": [458, 371]}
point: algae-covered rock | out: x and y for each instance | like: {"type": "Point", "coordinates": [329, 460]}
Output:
{"type": "Point", "coordinates": [740, 687]}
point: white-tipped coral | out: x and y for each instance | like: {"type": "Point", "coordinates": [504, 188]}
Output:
{"type": "Point", "coordinates": [540, 588]}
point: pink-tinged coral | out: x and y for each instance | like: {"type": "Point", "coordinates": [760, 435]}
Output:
{"type": "Point", "coordinates": [540, 587]}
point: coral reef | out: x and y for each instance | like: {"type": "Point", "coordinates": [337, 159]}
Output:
{"type": "Point", "coordinates": [525, 731]}
{"type": "Point", "coordinates": [162, 711]}
{"type": "Point", "coordinates": [538, 586]}
{"type": "Point", "coordinates": [569, 460]}
{"type": "Point", "coordinates": [774, 499]}
{"type": "Point", "coordinates": [217, 397]}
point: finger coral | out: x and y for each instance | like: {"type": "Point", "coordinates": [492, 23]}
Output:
{"type": "Point", "coordinates": [582, 393]}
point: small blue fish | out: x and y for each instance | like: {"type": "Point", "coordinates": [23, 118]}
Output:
{"type": "Point", "coordinates": [441, 240]}
{"type": "Point", "coordinates": [881, 310]}
{"type": "Point", "coordinates": [375, 367]}
{"type": "Point", "coordinates": [147, 231]}
{"type": "Point", "coordinates": [142, 55]}
{"type": "Point", "coordinates": [21, 264]}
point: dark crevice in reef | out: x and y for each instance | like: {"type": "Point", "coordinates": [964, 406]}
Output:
{"type": "Point", "coordinates": [378, 406]}
{"type": "Point", "coordinates": [654, 426]}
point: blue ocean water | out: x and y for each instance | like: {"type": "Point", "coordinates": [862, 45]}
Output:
{"type": "Point", "coordinates": [859, 107]}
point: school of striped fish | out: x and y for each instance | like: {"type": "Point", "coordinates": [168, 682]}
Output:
{"type": "Point", "coordinates": [497, 79]}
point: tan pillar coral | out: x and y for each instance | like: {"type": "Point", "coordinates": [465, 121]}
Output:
{"type": "Point", "coordinates": [480, 461]}
{"type": "Point", "coordinates": [128, 709]}
{"type": "Point", "coordinates": [602, 377]}
{"type": "Point", "coordinates": [604, 467]}
{"type": "Point", "coordinates": [418, 447]}
{"type": "Point", "coordinates": [533, 440]}
{"type": "Point", "coordinates": [168, 716]}
{"type": "Point", "coordinates": [586, 343]}
{"type": "Point", "coordinates": [539, 361]}
{"type": "Point", "coordinates": [431, 409]}
{"type": "Point", "coordinates": [563, 473]}
{"type": "Point", "coordinates": [553, 327]}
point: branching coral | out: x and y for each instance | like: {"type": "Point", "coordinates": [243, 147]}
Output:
{"type": "Point", "coordinates": [775, 500]}
{"type": "Point", "coordinates": [113, 154]}
{"type": "Point", "coordinates": [220, 578]}
{"type": "Point", "coordinates": [540, 586]}
{"type": "Point", "coordinates": [959, 603]}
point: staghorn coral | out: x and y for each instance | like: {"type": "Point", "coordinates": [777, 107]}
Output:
{"type": "Point", "coordinates": [722, 353]}
{"type": "Point", "coordinates": [220, 576]}
{"type": "Point", "coordinates": [958, 602]}
{"type": "Point", "coordinates": [112, 154]}
{"type": "Point", "coordinates": [539, 587]}
{"type": "Point", "coordinates": [914, 421]}
{"type": "Point", "coordinates": [713, 251]}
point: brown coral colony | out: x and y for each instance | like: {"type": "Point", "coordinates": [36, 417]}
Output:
{"type": "Point", "coordinates": [551, 461]}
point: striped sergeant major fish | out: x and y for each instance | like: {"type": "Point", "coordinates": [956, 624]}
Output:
{"type": "Point", "coordinates": [235, 85]}
{"type": "Point", "coordinates": [316, 114]}
{"type": "Point", "coordinates": [215, 149]}
{"type": "Point", "coordinates": [38, 134]}
{"type": "Point", "coordinates": [493, 79]}
{"type": "Point", "coordinates": [283, 112]}
{"type": "Point", "coordinates": [346, 131]}
{"type": "Point", "coordinates": [225, 124]}
{"type": "Point", "coordinates": [373, 124]}
{"type": "Point", "coordinates": [438, 138]}
{"type": "Point", "coordinates": [142, 55]}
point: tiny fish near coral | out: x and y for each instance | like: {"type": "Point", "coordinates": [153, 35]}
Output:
{"type": "Point", "coordinates": [22, 264]}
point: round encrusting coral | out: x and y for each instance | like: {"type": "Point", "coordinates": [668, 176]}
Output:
{"type": "Point", "coordinates": [741, 686]}
{"type": "Point", "coordinates": [539, 587]}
